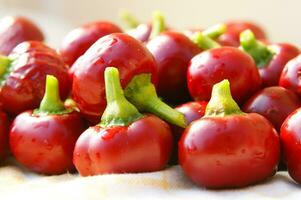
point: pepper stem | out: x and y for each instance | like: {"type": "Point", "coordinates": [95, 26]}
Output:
{"type": "Point", "coordinates": [204, 42]}
{"type": "Point", "coordinates": [221, 102]}
{"type": "Point", "coordinates": [51, 102]}
{"type": "Point", "coordinates": [142, 93]}
{"type": "Point", "coordinates": [259, 51]}
{"type": "Point", "coordinates": [158, 24]}
{"type": "Point", "coordinates": [4, 63]}
{"type": "Point", "coordinates": [119, 112]}
{"type": "Point", "coordinates": [129, 19]}
{"type": "Point", "coordinates": [215, 31]}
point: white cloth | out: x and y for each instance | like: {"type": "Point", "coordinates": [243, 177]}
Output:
{"type": "Point", "coordinates": [17, 183]}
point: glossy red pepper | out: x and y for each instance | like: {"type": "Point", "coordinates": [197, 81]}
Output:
{"type": "Point", "coordinates": [117, 49]}
{"type": "Point", "coordinates": [290, 76]}
{"type": "Point", "coordinates": [274, 103]}
{"type": "Point", "coordinates": [290, 140]}
{"type": "Point", "coordinates": [234, 28]}
{"type": "Point", "coordinates": [77, 41]}
{"type": "Point", "coordinates": [4, 123]}
{"type": "Point", "coordinates": [214, 65]}
{"type": "Point", "coordinates": [228, 148]}
{"type": "Point", "coordinates": [17, 29]}
{"type": "Point", "coordinates": [43, 139]}
{"type": "Point", "coordinates": [271, 59]}
{"type": "Point", "coordinates": [23, 73]}
{"type": "Point", "coordinates": [125, 141]}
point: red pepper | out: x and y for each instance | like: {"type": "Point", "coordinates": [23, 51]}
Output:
{"type": "Point", "coordinates": [234, 28]}
{"type": "Point", "coordinates": [117, 49]}
{"type": "Point", "coordinates": [290, 141]}
{"type": "Point", "coordinates": [214, 65]}
{"type": "Point", "coordinates": [125, 141]}
{"type": "Point", "coordinates": [4, 123]}
{"type": "Point", "coordinates": [290, 76]}
{"type": "Point", "coordinates": [228, 148]}
{"type": "Point", "coordinates": [23, 73]}
{"type": "Point", "coordinates": [43, 139]}
{"type": "Point", "coordinates": [274, 103]}
{"type": "Point", "coordinates": [77, 41]}
{"type": "Point", "coordinates": [17, 29]}
{"type": "Point", "coordinates": [271, 59]}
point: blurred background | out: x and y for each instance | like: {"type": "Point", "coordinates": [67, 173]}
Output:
{"type": "Point", "coordinates": [280, 18]}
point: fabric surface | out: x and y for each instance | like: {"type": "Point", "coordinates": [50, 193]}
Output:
{"type": "Point", "coordinates": [18, 183]}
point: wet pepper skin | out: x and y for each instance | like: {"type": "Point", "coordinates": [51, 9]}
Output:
{"type": "Point", "coordinates": [274, 103]}
{"type": "Point", "coordinates": [212, 66]}
{"type": "Point", "coordinates": [4, 123]}
{"type": "Point", "coordinates": [118, 50]}
{"type": "Point", "coordinates": [80, 39]}
{"type": "Point", "coordinates": [234, 28]}
{"type": "Point", "coordinates": [24, 87]}
{"type": "Point", "coordinates": [17, 29]}
{"type": "Point", "coordinates": [145, 145]}
{"type": "Point", "coordinates": [270, 73]}
{"type": "Point", "coordinates": [173, 51]}
{"type": "Point", "coordinates": [142, 32]}
{"type": "Point", "coordinates": [45, 144]}
{"type": "Point", "coordinates": [231, 151]}
{"type": "Point", "coordinates": [290, 139]}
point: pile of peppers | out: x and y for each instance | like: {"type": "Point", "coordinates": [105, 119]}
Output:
{"type": "Point", "coordinates": [223, 102]}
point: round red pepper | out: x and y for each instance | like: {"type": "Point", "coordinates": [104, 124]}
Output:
{"type": "Point", "coordinates": [228, 148]}
{"type": "Point", "coordinates": [43, 139]}
{"type": "Point", "coordinates": [125, 141]}
{"type": "Point", "coordinates": [290, 76]}
{"type": "Point", "coordinates": [234, 28]}
{"type": "Point", "coordinates": [214, 65]}
{"type": "Point", "coordinates": [23, 73]}
{"type": "Point", "coordinates": [17, 29]}
{"type": "Point", "coordinates": [274, 103]}
{"type": "Point", "coordinates": [117, 49]}
{"type": "Point", "coordinates": [271, 59]}
{"type": "Point", "coordinates": [76, 42]}
{"type": "Point", "coordinates": [4, 123]}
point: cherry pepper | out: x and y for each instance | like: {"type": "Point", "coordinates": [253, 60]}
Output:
{"type": "Point", "coordinates": [228, 148]}
{"type": "Point", "coordinates": [116, 49]}
{"type": "Point", "coordinates": [4, 124]}
{"type": "Point", "coordinates": [23, 73]}
{"type": "Point", "coordinates": [125, 141]}
{"type": "Point", "coordinates": [290, 140]}
{"type": "Point", "coordinates": [173, 51]}
{"type": "Point", "coordinates": [271, 59]}
{"type": "Point", "coordinates": [17, 29]}
{"type": "Point", "coordinates": [43, 139]}
{"type": "Point", "coordinates": [77, 41]}
{"type": "Point", "coordinates": [217, 64]}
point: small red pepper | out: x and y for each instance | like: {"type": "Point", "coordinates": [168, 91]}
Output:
{"type": "Point", "coordinates": [271, 59]}
{"type": "Point", "coordinates": [125, 141]}
{"type": "Point", "coordinates": [4, 124]}
{"type": "Point", "coordinates": [116, 49]}
{"type": "Point", "coordinates": [274, 103]}
{"type": "Point", "coordinates": [214, 65]}
{"type": "Point", "coordinates": [23, 73]}
{"type": "Point", "coordinates": [234, 28]}
{"type": "Point", "coordinates": [77, 41]}
{"type": "Point", "coordinates": [291, 144]}
{"type": "Point", "coordinates": [228, 148]}
{"type": "Point", "coordinates": [15, 30]}
{"type": "Point", "coordinates": [43, 139]}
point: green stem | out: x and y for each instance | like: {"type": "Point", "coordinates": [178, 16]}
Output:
{"type": "Point", "coordinates": [142, 93]}
{"type": "Point", "coordinates": [261, 54]}
{"type": "Point", "coordinates": [4, 64]}
{"type": "Point", "coordinates": [158, 24]}
{"type": "Point", "coordinates": [204, 42]}
{"type": "Point", "coordinates": [119, 112]}
{"type": "Point", "coordinates": [129, 19]}
{"type": "Point", "coordinates": [215, 31]}
{"type": "Point", "coordinates": [221, 102]}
